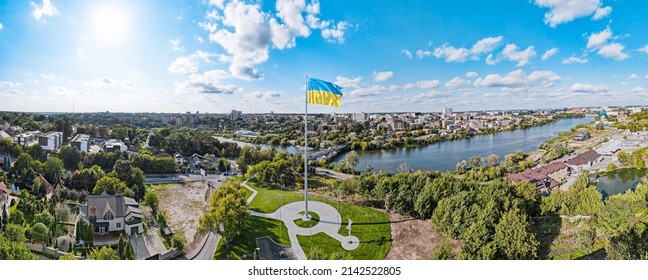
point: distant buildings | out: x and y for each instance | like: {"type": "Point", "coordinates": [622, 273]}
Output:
{"type": "Point", "coordinates": [582, 136]}
{"type": "Point", "coordinates": [359, 117]}
{"type": "Point", "coordinates": [113, 145]}
{"type": "Point", "coordinates": [235, 115]}
{"type": "Point", "coordinates": [51, 141]}
{"type": "Point", "coordinates": [447, 112]}
{"type": "Point", "coordinates": [81, 142]}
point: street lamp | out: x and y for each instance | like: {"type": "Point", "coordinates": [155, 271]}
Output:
{"type": "Point", "coordinates": [257, 251]}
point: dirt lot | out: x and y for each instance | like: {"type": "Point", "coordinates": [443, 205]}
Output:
{"type": "Point", "coordinates": [184, 204]}
{"type": "Point", "coordinates": [414, 239]}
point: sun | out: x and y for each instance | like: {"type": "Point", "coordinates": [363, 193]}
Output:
{"type": "Point", "coordinates": [110, 24]}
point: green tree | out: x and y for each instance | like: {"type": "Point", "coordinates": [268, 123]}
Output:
{"type": "Point", "coordinates": [103, 253]}
{"type": "Point", "coordinates": [15, 233]}
{"type": "Point", "coordinates": [24, 169]}
{"type": "Point", "coordinates": [86, 179]}
{"type": "Point", "coordinates": [13, 250]}
{"type": "Point", "coordinates": [111, 185]}
{"type": "Point", "coordinates": [228, 214]}
{"type": "Point", "coordinates": [151, 199]}
{"type": "Point", "coordinates": [53, 170]}
{"type": "Point", "coordinates": [17, 217]}
{"type": "Point", "coordinates": [443, 251]}
{"type": "Point", "coordinates": [70, 156]}
{"type": "Point", "coordinates": [352, 159]}
{"type": "Point", "coordinates": [514, 237]}
{"type": "Point", "coordinates": [40, 232]}
{"type": "Point", "coordinates": [68, 257]}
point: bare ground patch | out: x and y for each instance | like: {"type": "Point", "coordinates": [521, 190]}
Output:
{"type": "Point", "coordinates": [184, 205]}
{"type": "Point", "coordinates": [415, 239]}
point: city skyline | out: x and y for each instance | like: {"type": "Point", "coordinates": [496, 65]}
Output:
{"type": "Point", "coordinates": [215, 56]}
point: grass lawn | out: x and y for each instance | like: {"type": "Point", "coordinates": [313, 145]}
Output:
{"type": "Point", "coordinates": [314, 220]}
{"type": "Point", "coordinates": [371, 226]}
{"type": "Point", "coordinates": [246, 242]}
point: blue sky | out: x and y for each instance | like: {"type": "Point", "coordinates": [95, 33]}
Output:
{"type": "Point", "coordinates": [215, 56]}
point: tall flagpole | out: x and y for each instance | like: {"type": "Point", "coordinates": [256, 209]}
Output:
{"type": "Point", "coordinates": [306, 216]}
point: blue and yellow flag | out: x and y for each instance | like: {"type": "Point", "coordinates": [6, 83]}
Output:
{"type": "Point", "coordinates": [324, 93]}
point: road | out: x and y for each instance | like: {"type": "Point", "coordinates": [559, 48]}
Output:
{"type": "Point", "coordinates": [332, 174]}
{"type": "Point", "coordinates": [180, 178]}
{"type": "Point", "coordinates": [206, 251]}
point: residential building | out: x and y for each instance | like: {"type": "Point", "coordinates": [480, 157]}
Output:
{"type": "Point", "coordinates": [179, 159]}
{"type": "Point", "coordinates": [26, 138]}
{"type": "Point", "coordinates": [447, 112]}
{"type": "Point", "coordinates": [112, 214]}
{"type": "Point", "coordinates": [51, 141]}
{"type": "Point", "coordinates": [81, 142]}
{"type": "Point", "coordinates": [235, 115]}
{"type": "Point", "coordinates": [4, 135]}
{"type": "Point", "coordinates": [546, 177]}
{"type": "Point", "coordinates": [49, 189]}
{"type": "Point", "coordinates": [582, 136]}
{"type": "Point", "coordinates": [113, 145]}
{"type": "Point", "coordinates": [4, 196]}
{"type": "Point", "coordinates": [397, 124]}
{"type": "Point", "coordinates": [584, 160]}
{"type": "Point", "coordinates": [359, 117]}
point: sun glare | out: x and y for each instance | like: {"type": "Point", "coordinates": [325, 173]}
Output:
{"type": "Point", "coordinates": [110, 25]}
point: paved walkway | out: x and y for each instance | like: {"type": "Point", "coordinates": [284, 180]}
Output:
{"type": "Point", "coordinates": [330, 223]}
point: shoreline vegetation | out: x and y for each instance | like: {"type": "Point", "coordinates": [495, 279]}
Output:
{"type": "Point", "coordinates": [405, 142]}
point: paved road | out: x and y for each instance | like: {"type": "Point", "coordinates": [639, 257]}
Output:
{"type": "Point", "coordinates": [332, 174]}
{"type": "Point", "coordinates": [206, 251]}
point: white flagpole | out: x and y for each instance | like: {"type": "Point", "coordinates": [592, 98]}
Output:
{"type": "Point", "coordinates": [306, 216]}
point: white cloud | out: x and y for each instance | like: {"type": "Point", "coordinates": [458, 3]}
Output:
{"type": "Point", "coordinates": [422, 53]}
{"type": "Point", "coordinates": [637, 90]}
{"type": "Point", "coordinates": [643, 49]}
{"type": "Point", "coordinates": [601, 13]}
{"type": "Point", "coordinates": [471, 74]}
{"type": "Point", "coordinates": [574, 59]}
{"type": "Point", "coordinates": [45, 9]}
{"type": "Point", "coordinates": [345, 82]}
{"type": "Point", "coordinates": [511, 53]}
{"type": "Point", "coordinates": [490, 60]}
{"type": "Point", "coordinates": [614, 51]}
{"type": "Point", "coordinates": [48, 76]}
{"type": "Point", "coordinates": [598, 39]}
{"type": "Point", "coordinates": [369, 91]}
{"type": "Point", "coordinates": [1, 26]}
{"type": "Point", "coordinates": [455, 82]}
{"type": "Point", "coordinates": [634, 76]}
{"type": "Point", "coordinates": [461, 54]}
{"type": "Point", "coordinates": [549, 53]}
{"type": "Point", "coordinates": [485, 45]}
{"type": "Point", "coordinates": [407, 53]}
{"type": "Point", "coordinates": [382, 76]}
{"type": "Point", "coordinates": [451, 54]}
{"type": "Point", "coordinates": [176, 44]}
{"type": "Point", "coordinates": [563, 11]}
{"type": "Point", "coordinates": [579, 87]}
{"type": "Point", "coordinates": [518, 78]}
{"type": "Point", "coordinates": [200, 39]}
{"type": "Point", "coordinates": [262, 95]}
{"type": "Point", "coordinates": [247, 33]}
{"type": "Point", "coordinates": [335, 34]}
{"type": "Point", "coordinates": [81, 53]}
{"type": "Point", "coordinates": [183, 65]}
{"type": "Point", "coordinates": [646, 77]}
{"type": "Point", "coordinates": [424, 84]}
{"type": "Point", "coordinates": [209, 82]}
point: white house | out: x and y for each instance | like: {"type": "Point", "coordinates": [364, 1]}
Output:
{"type": "Point", "coordinates": [112, 213]}
{"type": "Point", "coordinates": [81, 142]}
{"type": "Point", "coordinates": [112, 145]}
{"type": "Point", "coordinates": [51, 141]}
{"type": "Point", "coordinates": [179, 159]}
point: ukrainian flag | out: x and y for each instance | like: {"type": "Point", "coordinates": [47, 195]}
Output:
{"type": "Point", "coordinates": [324, 93]}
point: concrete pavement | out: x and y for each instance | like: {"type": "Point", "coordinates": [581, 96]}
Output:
{"type": "Point", "coordinates": [329, 223]}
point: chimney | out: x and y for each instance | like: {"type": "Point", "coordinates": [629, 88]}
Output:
{"type": "Point", "coordinates": [93, 212]}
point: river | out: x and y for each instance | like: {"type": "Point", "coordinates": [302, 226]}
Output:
{"type": "Point", "coordinates": [444, 156]}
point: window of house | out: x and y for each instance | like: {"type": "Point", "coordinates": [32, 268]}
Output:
{"type": "Point", "coordinates": [118, 225]}
{"type": "Point", "coordinates": [108, 216]}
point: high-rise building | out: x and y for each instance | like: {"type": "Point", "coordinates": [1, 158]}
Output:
{"type": "Point", "coordinates": [235, 115]}
{"type": "Point", "coordinates": [447, 112]}
{"type": "Point", "coordinates": [359, 117]}
{"type": "Point", "coordinates": [51, 141]}
{"type": "Point", "coordinates": [81, 142]}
